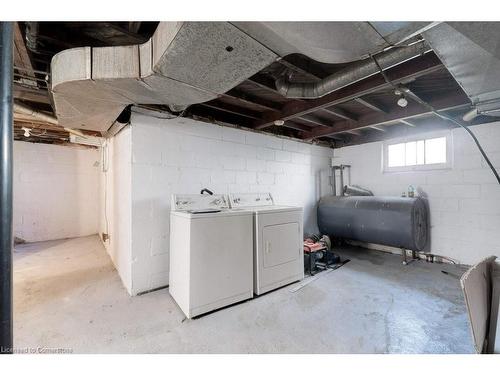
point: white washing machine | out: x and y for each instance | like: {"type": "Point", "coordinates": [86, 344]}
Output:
{"type": "Point", "coordinates": [278, 240]}
{"type": "Point", "coordinates": [211, 254]}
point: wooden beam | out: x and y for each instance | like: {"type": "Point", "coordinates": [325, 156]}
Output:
{"type": "Point", "coordinates": [315, 121]}
{"type": "Point", "coordinates": [30, 94]}
{"type": "Point", "coordinates": [413, 109]}
{"type": "Point", "coordinates": [232, 109]}
{"type": "Point", "coordinates": [216, 114]}
{"type": "Point", "coordinates": [434, 123]}
{"type": "Point", "coordinates": [296, 126]}
{"type": "Point", "coordinates": [339, 112]}
{"type": "Point", "coordinates": [401, 73]}
{"type": "Point", "coordinates": [380, 129]}
{"type": "Point", "coordinates": [245, 100]}
{"type": "Point", "coordinates": [355, 132]}
{"type": "Point", "coordinates": [21, 56]}
{"type": "Point", "coordinates": [408, 123]}
{"type": "Point", "coordinates": [372, 105]}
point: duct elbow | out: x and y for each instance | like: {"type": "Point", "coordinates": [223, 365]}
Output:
{"type": "Point", "coordinates": [297, 90]}
{"type": "Point", "coordinates": [282, 86]}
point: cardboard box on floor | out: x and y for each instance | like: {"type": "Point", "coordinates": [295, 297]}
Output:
{"type": "Point", "coordinates": [481, 287]}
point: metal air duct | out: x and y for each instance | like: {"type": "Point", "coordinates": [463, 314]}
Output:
{"type": "Point", "coordinates": [471, 52]}
{"type": "Point", "coordinates": [183, 63]}
{"type": "Point", "coordinates": [350, 75]}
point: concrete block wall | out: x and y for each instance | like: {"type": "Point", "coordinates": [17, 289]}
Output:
{"type": "Point", "coordinates": [184, 156]}
{"type": "Point", "coordinates": [55, 191]}
{"type": "Point", "coordinates": [464, 200]}
{"type": "Point", "coordinates": [116, 203]}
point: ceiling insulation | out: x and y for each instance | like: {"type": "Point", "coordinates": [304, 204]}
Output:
{"type": "Point", "coordinates": [331, 42]}
{"type": "Point", "coordinates": [476, 67]}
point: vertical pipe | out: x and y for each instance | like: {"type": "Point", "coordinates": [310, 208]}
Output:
{"type": "Point", "coordinates": [6, 134]}
{"type": "Point", "coordinates": [334, 181]}
{"type": "Point", "coordinates": [341, 179]}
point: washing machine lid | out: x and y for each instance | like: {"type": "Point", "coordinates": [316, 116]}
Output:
{"type": "Point", "coordinates": [258, 202]}
{"type": "Point", "coordinates": [244, 200]}
{"type": "Point", "coordinates": [200, 215]}
{"type": "Point", "coordinates": [199, 203]}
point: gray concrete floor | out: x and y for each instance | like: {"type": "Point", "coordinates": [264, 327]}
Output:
{"type": "Point", "coordinates": [68, 295]}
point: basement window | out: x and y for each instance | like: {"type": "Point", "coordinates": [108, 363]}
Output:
{"type": "Point", "coordinates": [424, 153]}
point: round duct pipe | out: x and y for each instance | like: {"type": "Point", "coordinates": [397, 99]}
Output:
{"type": "Point", "coordinates": [356, 72]}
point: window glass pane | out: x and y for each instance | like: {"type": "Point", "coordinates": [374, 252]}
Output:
{"type": "Point", "coordinates": [420, 152]}
{"type": "Point", "coordinates": [396, 155]}
{"type": "Point", "coordinates": [435, 150]}
{"type": "Point", "coordinates": [411, 153]}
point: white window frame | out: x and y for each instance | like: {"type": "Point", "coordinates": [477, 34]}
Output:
{"type": "Point", "coordinates": [423, 167]}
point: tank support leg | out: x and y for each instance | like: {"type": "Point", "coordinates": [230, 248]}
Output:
{"type": "Point", "coordinates": [405, 259]}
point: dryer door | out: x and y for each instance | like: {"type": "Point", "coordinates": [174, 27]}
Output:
{"type": "Point", "coordinates": [280, 243]}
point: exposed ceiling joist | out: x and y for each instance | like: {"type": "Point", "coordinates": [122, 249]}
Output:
{"type": "Point", "coordinates": [232, 109]}
{"type": "Point", "coordinates": [400, 74]}
{"type": "Point", "coordinates": [372, 105]}
{"type": "Point", "coordinates": [413, 109]}
{"type": "Point", "coordinates": [408, 123]}
{"type": "Point", "coordinates": [378, 128]}
{"type": "Point", "coordinates": [339, 112]}
{"type": "Point", "coordinates": [30, 94]}
{"type": "Point", "coordinates": [432, 124]}
{"type": "Point", "coordinates": [296, 126]}
{"type": "Point", "coordinates": [315, 121]}
{"type": "Point", "coordinates": [21, 56]}
{"type": "Point", "coordinates": [355, 132]}
{"type": "Point", "coordinates": [246, 101]}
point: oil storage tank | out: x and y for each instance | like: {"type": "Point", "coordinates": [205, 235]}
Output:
{"type": "Point", "coordinates": [392, 221]}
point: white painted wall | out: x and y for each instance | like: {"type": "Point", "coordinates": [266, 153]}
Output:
{"type": "Point", "coordinates": [116, 203]}
{"type": "Point", "coordinates": [464, 200]}
{"type": "Point", "coordinates": [184, 156]}
{"type": "Point", "coordinates": [56, 191]}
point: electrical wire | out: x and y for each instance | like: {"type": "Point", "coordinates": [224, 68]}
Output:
{"type": "Point", "coordinates": [441, 115]}
{"type": "Point", "coordinates": [466, 128]}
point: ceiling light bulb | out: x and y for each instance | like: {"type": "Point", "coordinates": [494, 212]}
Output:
{"type": "Point", "coordinates": [279, 122]}
{"type": "Point", "coordinates": [26, 132]}
{"type": "Point", "coordinates": [402, 102]}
